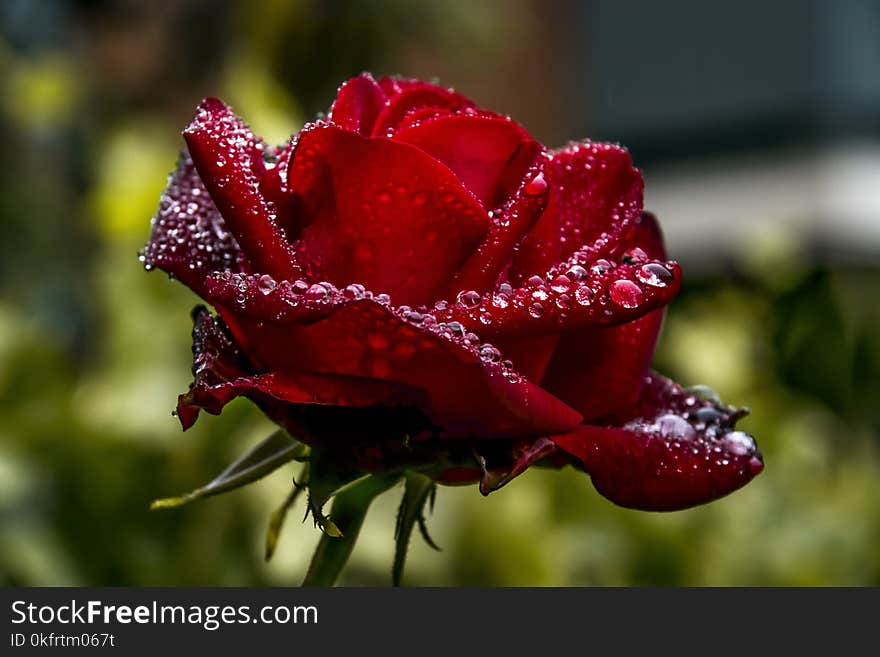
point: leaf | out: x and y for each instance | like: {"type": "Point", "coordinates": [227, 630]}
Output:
{"type": "Point", "coordinates": [419, 489]}
{"type": "Point", "coordinates": [267, 456]}
{"type": "Point", "coordinates": [276, 521]}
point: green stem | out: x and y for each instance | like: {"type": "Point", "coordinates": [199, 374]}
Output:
{"type": "Point", "coordinates": [348, 512]}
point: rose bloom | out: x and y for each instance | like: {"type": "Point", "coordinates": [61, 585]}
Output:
{"type": "Point", "coordinates": [416, 282]}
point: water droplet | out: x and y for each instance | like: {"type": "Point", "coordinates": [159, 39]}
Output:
{"type": "Point", "coordinates": [419, 198]}
{"type": "Point", "coordinates": [299, 287]}
{"type": "Point", "coordinates": [675, 427]}
{"type": "Point", "coordinates": [536, 185]}
{"type": "Point", "coordinates": [317, 292]}
{"type": "Point", "coordinates": [469, 298]}
{"type": "Point", "coordinates": [561, 283]}
{"type": "Point", "coordinates": [625, 293]}
{"type": "Point", "coordinates": [576, 273]}
{"type": "Point", "coordinates": [505, 288]}
{"type": "Point", "coordinates": [485, 318]}
{"type": "Point", "coordinates": [535, 281]}
{"type": "Point", "coordinates": [654, 274]}
{"type": "Point", "coordinates": [414, 317]}
{"type": "Point", "coordinates": [739, 443]}
{"type": "Point", "coordinates": [456, 328]}
{"type": "Point", "coordinates": [383, 298]}
{"type": "Point", "coordinates": [489, 353]}
{"type": "Point", "coordinates": [634, 256]}
{"type": "Point", "coordinates": [536, 309]}
{"type": "Point", "coordinates": [354, 292]}
{"type": "Point", "coordinates": [601, 266]}
{"type": "Point", "coordinates": [756, 465]}
{"type": "Point", "coordinates": [704, 393]}
{"type": "Point", "coordinates": [708, 415]}
{"type": "Point", "coordinates": [563, 302]}
{"type": "Point", "coordinates": [383, 197]}
{"type": "Point", "coordinates": [266, 284]}
{"type": "Point", "coordinates": [584, 295]}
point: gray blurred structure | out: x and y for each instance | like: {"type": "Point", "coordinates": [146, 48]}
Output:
{"type": "Point", "coordinates": [752, 117]}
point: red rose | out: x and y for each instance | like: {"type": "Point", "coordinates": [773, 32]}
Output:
{"type": "Point", "coordinates": [417, 278]}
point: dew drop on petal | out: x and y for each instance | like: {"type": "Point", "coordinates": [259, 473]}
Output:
{"type": "Point", "coordinates": [739, 443]}
{"type": "Point", "coordinates": [537, 185]}
{"type": "Point", "coordinates": [576, 273]}
{"type": "Point", "coordinates": [674, 427]}
{"type": "Point", "coordinates": [654, 274]}
{"type": "Point", "coordinates": [536, 309]}
{"type": "Point", "coordinates": [469, 298]}
{"type": "Point", "coordinates": [535, 281]}
{"type": "Point", "coordinates": [634, 256]}
{"type": "Point", "coordinates": [584, 295]}
{"type": "Point", "coordinates": [489, 353]}
{"type": "Point", "coordinates": [317, 292]}
{"type": "Point", "coordinates": [354, 292]}
{"type": "Point", "coordinates": [561, 283]}
{"type": "Point", "coordinates": [266, 284]}
{"type": "Point", "coordinates": [625, 293]}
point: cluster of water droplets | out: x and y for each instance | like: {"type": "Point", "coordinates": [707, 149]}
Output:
{"type": "Point", "coordinates": [281, 298]}
{"type": "Point", "coordinates": [696, 424]}
{"type": "Point", "coordinates": [188, 229]}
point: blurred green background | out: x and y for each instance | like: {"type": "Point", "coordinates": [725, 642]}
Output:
{"type": "Point", "coordinates": [767, 190]}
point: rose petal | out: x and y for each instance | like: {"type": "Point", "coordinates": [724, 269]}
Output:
{"type": "Point", "coordinates": [671, 451]}
{"type": "Point", "coordinates": [477, 149]}
{"type": "Point", "coordinates": [358, 103]}
{"type": "Point", "coordinates": [382, 213]}
{"type": "Point", "coordinates": [363, 337]}
{"type": "Point", "coordinates": [229, 159]}
{"type": "Point", "coordinates": [221, 373]}
{"type": "Point", "coordinates": [189, 238]}
{"type": "Point", "coordinates": [482, 269]}
{"type": "Point", "coordinates": [601, 370]}
{"type": "Point", "coordinates": [595, 199]}
{"type": "Point", "coordinates": [604, 295]}
{"type": "Point", "coordinates": [413, 96]}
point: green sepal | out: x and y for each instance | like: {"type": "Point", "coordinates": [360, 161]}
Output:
{"type": "Point", "coordinates": [276, 521]}
{"type": "Point", "coordinates": [267, 456]}
{"type": "Point", "coordinates": [419, 490]}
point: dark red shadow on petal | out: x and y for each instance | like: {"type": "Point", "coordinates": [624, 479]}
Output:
{"type": "Point", "coordinates": [673, 450]}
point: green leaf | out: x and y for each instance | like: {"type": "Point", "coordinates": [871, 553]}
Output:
{"type": "Point", "coordinates": [276, 521]}
{"type": "Point", "coordinates": [418, 491]}
{"type": "Point", "coordinates": [272, 453]}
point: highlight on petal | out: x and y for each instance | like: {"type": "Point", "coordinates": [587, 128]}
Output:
{"type": "Point", "coordinates": [229, 160]}
{"type": "Point", "coordinates": [675, 449]}
{"type": "Point", "coordinates": [381, 213]}
{"type": "Point", "coordinates": [596, 199]}
{"type": "Point", "coordinates": [189, 238]}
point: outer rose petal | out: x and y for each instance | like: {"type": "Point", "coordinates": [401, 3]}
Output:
{"type": "Point", "coordinates": [595, 199]}
{"type": "Point", "coordinates": [189, 238]}
{"type": "Point", "coordinates": [601, 370]}
{"type": "Point", "coordinates": [382, 213]}
{"type": "Point", "coordinates": [364, 338]}
{"type": "Point", "coordinates": [229, 159]}
{"type": "Point", "coordinates": [606, 295]}
{"type": "Point", "coordinates": [476, 148]}
{"type": "Point", "coordinates": [671, 451]}
{"type": "Point", "coordinates": [358, 103]}
{"type": "Point", "coordinates": [221, 373]}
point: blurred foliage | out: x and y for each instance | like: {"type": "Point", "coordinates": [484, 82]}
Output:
{"type": "Point", "coordinates": [93, 351]}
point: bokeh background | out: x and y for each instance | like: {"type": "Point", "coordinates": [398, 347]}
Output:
{"type": "Point", "coordinates": [758, 128]}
